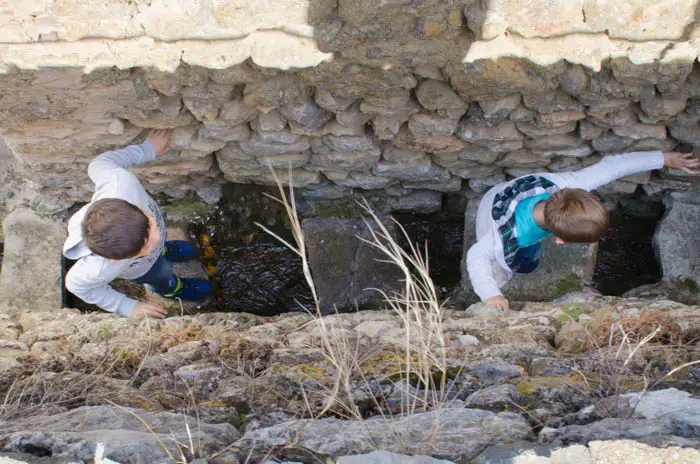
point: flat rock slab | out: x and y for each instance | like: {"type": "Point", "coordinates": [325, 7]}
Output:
{"type": "Point", "coordinates": [454, 434]}
{"type": "Point", "coordinates": [31, 277]}
{"type": "Point", "coordinates": [385, 457]}
{"type": "Point", "coordinates": [75, 434]}
{"type": "Point", "coordinates": [346, 269]}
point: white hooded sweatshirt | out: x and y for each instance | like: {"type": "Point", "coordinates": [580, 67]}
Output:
{"type": "Point", "coordinates": [89, 278]}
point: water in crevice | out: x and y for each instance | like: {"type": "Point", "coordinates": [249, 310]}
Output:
{"type": "Point", "coordinates": [626, 257]}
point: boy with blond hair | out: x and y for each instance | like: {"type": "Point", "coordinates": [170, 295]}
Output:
{"type": "Point", "coordinates": [515, 216]}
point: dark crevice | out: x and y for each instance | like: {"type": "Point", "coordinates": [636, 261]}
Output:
{"type": "Point", "coordinates": [626, 257]}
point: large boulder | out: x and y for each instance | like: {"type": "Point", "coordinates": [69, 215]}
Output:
{"type": "Point", "coordinates": [676, 238]}
{"type": "Point", "coordinates": [347, 270]}
{"type": "Point", "coordinates": [31, 277]}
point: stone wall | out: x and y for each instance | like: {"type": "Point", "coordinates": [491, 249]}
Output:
{"type": "Point", "coordinates": [403, 96]}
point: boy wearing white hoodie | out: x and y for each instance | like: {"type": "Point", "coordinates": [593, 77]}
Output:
{"type": "Point", "coordinates": [121, 233]}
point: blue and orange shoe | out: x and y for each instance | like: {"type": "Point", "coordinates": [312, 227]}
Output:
{"type": "Point", "coordinates": [190, 289]}
{"type": "Point", "coordinates": [179, 250]}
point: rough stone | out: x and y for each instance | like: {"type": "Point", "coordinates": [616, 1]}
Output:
{"type": "Point", "coordinates": [418, 170]}
{"type": "Point", "coordinates": [496, 398]}
{"type": "Point", "coordinates": [32, 248]}
{"type": "Point", "coordinates": [385, 457]}
{"type": "Point", "coordinates": [533, 131]}
{"type": "Point", "coordinates": [675, 235]}
{"type": "Point", "coordinates": [437, 95]}
{"type": "Point", "coordinates": [344, 267]}
{"type": "Point", "coordinates": [75, 434]}
{"type": "Point", "coordinates": [481, 185]}
{"type": "Point", "coordinates": [422, 125]}
{"type": "Point", "coordinates": [430, 434]}
{"type": "Point", "coordinates": [523, 159]}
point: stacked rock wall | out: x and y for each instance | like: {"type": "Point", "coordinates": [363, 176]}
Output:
{"type": "Point", "coordinates": [403, 96]}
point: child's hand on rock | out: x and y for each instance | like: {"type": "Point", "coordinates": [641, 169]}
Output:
{"type": "Point", "coordinates": [148, 309]}
{"type": "Point", "coordinates": [160, 139]}
{"type": "Point", "coordinates": [685, 162]}
{"type": "Point", "coordinates": [498, 302]}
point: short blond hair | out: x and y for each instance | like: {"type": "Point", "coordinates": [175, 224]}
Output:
{"type": "Point", "coordinates": [576, 216]}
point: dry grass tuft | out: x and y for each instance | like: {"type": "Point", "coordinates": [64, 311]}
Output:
{"type": "Point", "coordinates": [423, 352]}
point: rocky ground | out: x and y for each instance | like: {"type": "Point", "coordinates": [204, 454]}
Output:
{"type": "Point", "coordinates": [586, 379]}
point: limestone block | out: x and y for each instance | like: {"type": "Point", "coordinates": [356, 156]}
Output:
{"type": "Point", "coordinates": [469, 172]}
{"type": "Point", "coordinates": [534, 131]}
{"type": "Point", "coordinates": [347, 160]}
{"type": "Point", "coordinates": [32, 248]}
{"type": "Point", "coordinates": [552, 102]}
{"type": "Point", "coordinates": [668, 144]}
{"type": "Point", "coordinates": [283, 137]}
{"type": "Point", "coordinates": [256, 146]}
{"type": "Point", "coordinates": [351, 143]}
{"type": "Point", "coordinates": [611, 144]}
{"type": "Point", "coordinates": [286, 161]}
{"type": "Point", "coordinates": [352, 116]}
{"type": "Point", "coordinates": [588, 131]}
{"type": "Point", "coordinates": [663, 107]}
{"type": "Point", "coordinates": [331, 102]}
{"type": "Point", "coordinates": [481, 185]}
{"type": "Point", "coordinates": [222, 130]}
{"type": "Point", "coordinates": [343, 266]}
{"type": "Point", "coordinates": [307, 114]}
{"type": "Point", "coordinates": [476, 133]}
{"type": "Point", "coordinates": [437, 95]}
{"type": "Point", "coordinates": [687, 134]}
{"type": "Point", "coordinates": [363, 181]}
{"type": "Point", "coordinates": [337, 129]}
{"type": "Point", "coordinates": [641, 131]}
{"type": "Point", "coordinates": [391, 153]}
{"type": "Point", "coordinates": [386, 127]}
{"type": "Point", "coordinates": [419, 201]}
{"type": "Point", "coordinates": [422, 125]}
{"type": "Point", "coordinates": [236, 112]}
{"type": "Point", "coordinates": [499, 78]}
{"type": "Point", "coordinates": [399, 110]}
{"type": "Point", "coordinates": [560, 117]}
{"type": "Point", "coordinates": [271, 121]}
{"type": "Point", "coordinates": [523, 158]}
{"type": "Point", "coordinates": [202, 109]}
{"type": "Point", "coordinates": [564, 163]}
{"type": "Point", "coordinates": [541, 18]}
{"type": "Point", "coordinates": [639, 20]}
{"type": "Point", "coordinates": [499, 108]}
{"type": "Point", "coordinates": [417, 170]}
{"type": "Point", "coordinates": [554, 142]}
{"type": "Point", "coordinates": [452, 185]}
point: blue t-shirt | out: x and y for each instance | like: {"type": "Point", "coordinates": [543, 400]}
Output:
{"type": "Point", "coordinates": [527, 231]}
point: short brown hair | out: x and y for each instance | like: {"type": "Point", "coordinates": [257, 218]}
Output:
{"type": "Point", "coordinates": [115, 229]}
{"type": "Point", "coordinates": [576, 216]}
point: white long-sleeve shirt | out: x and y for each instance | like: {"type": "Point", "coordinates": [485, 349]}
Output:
{"type": "Point", "coordinates": [89, 278]}
{"type": "Point", "coordinates": [487, 252]}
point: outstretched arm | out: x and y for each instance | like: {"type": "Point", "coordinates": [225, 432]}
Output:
{"type": "Point", "coordinates": [612, 168]}
{"type": "Point", "coordinates": [102, 167]}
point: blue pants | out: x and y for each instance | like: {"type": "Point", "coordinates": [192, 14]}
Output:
{"type": "Point", "coordinates": [527, 259]}
{"type": "Point", "coordinates": [160, 277]}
